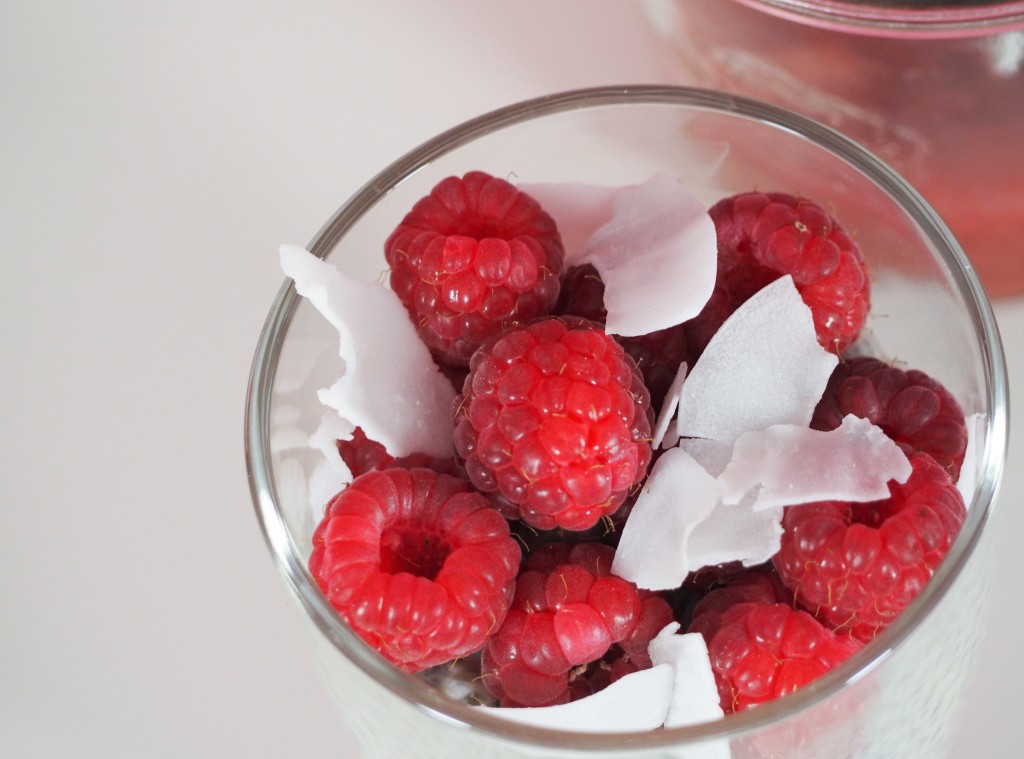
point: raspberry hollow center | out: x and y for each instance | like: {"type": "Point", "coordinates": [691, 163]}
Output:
{"type": "Point", "coordinates": [417, 551]}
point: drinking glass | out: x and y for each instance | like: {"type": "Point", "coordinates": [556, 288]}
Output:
{"type": "Point", "coordinates": [898, 696]}
{"type": "Point", "coordinates": [933, 87]}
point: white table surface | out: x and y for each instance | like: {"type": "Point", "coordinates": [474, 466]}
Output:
{"type": "Point", "coordinates": [153, 156]}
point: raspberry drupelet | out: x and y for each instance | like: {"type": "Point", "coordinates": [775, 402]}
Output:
{"type": "Point", "coordinates": [573, 628]}
{"type": "Point", "coordinates": [554, 422]}
{"type": "Point", "coordinates": [420, 566]}
{"type": "Point", "coordinates": [764, 236]}
{"type": "Point", "coordinates": [473, 257]}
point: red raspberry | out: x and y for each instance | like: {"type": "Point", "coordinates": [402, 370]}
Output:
{"type": "Point", "coordinates": [911, 408]}
{"type": "Point", "coordinates": [764, 236]}
{"type": "Point", "coordinates": [555, 422]}
{"type": "Point", "coordinates": [473, 257]}
{"type": "Point", "coordinates": [421, 567]}
{"type": "Point", "coordinates": [658, 354]}
{"type": "Point", "coordinates": [362, 455]}
{"type": "Point", "coordinates": [760, 651]}
{"type": "Point", "coordinates": [857, 565]}
{"type": "Point", "coordinates": [569, 612]}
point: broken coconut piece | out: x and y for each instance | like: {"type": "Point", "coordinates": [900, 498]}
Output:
{"type": "Point", "coordinates": [735, 532]}
{"type": "Point", "coordinates": [635, 702]}
{"type": "Point", "coordinates": [710, 454]}
{"type": "Point", "coordinates": [789, 464]}
{"type": "Point", "coordinates": [657, 227]}
{"type": "Point", "coordinates": [653, 550]}
{"type": "Point", "coordinates": [731, 532]}
{"type": "Point", "coordinates": [390, 387]}
{"type": "Point", "coordinates": [668, 411]}
{"type": "Point", "coordinates": [694, 693]}
{"type": "Point", "coordinates": [764, 366]}
{"type": "Point", "coordinates": [631, 232]}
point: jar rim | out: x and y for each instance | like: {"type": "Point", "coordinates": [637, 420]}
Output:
{"type": "Point", "coordinates": [901, 18]}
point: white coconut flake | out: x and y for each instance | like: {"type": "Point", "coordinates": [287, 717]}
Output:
{"type": "Point", "coordinates": [633, 703]}
{"type": "Point", "coordinates": [710, 454]}
{"type": "Point", "coordinates": [668, 411]}
{"type": "Point", "coordinates": [694, 694]}
{"type": "Point", "coordinates": [968, 480]}
{"type": "Point", "coordinates": [630, 232]}
{"type": "Point", "coordinates": [730, 532]}
{"type": "Point", "coordinates": [735, 532]}
{"type": "Point", "coordinates": [764, 366]}
{"type": "Point", "coordinates": [657, 255]}
{"type": "Point", "coordinates": [653, 546]}
{"type": "Point", "coordinates": [391, 386]}
{"type": "Point", "coordinates": [790, 465]}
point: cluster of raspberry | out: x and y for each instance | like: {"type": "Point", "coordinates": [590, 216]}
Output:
{"type": "Point", "coordinates": [502, 555]}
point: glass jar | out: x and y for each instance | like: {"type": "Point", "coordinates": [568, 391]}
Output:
{"type": "Point", "coordinates": [936, 89]}
{"type": "Point", "coordinates": [897, 696]}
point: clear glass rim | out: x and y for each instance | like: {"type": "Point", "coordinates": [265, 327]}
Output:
{"type": "Point", "coordinates": [904, 18]}
{"type": "Point", "coordinates": [461, 716]}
